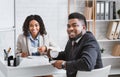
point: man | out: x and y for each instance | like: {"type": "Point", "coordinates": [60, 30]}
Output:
{"type": "Point", "coordinates": [82, 51]}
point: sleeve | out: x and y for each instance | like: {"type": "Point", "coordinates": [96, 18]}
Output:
{"type": "Point", "coordinates": [19, 48]}
{"type": "Point", "coordinates": [54, 54]}
{"type": "Point", "coordinates": [61, 56]}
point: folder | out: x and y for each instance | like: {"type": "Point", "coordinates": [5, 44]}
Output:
{"type": "Point", "coordinates": [119, 36]}
{"type": "Point", "coordinates": [111, 30]}
{"type": "Point", "coordinates": [111, 10]}
{"type": "Point", "coordinates": [114, 10]}
{"type": "Point", "coordinates": [118, 30]}
{"type": "Point", "coordinates": [98, 10]}
{"type": "Point", "coordinates": [106, 10]}
{"type": "Point", "coordinates": [116, 34]}
{"type": "Point", "coordinates": [88, 13]}
{"type": "Point", "coordinates": [88, 3]}
{"type": "Point", "coordinates": [102, 11]}
{"type": "Point", "coordinates": [88, 9]}
{"type": "Point", "coordinates": [116, 50]}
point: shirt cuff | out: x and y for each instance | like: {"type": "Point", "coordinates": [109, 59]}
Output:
{"type": "Point", "coordinates": [63, 64]}
{"type": "Point", "coordinates": [54, 54]}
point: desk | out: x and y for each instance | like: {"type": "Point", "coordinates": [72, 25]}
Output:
{"type": "Point", "coordinates": [36, 66]}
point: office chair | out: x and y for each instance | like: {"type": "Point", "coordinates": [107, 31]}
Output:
{"type": "Point", "coordinates": [102, 72]}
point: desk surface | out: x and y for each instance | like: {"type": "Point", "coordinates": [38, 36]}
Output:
{"type": "Point", "coordinates": [31, 66]}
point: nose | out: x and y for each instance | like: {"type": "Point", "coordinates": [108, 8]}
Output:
{"type": "Point", "coordinates": [34, 27]}
{"type": "Point", "coordinates": [70, 28]}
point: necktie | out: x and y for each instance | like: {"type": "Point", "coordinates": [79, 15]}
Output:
{"type": "Point", "coordinates": [72, 50]}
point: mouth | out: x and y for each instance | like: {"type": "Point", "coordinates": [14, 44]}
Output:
{"type": "Point", "coordinates": [71, 34]}
{"type": "Point", "coordinates": [34, 31]}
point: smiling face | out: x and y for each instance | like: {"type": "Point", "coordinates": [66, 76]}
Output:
{"type": "Point", "coordinates": [74, 27]}
{"type": "Point", "coordinates": [34, 28]}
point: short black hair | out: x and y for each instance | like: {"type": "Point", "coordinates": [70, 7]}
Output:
{"type": "Point", "coordinates": [78, 16]}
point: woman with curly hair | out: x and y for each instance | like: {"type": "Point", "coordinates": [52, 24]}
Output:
{"type": "Point", "coordinates": [34, 41]}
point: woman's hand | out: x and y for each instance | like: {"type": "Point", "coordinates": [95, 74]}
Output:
{"type": "Point", "coordinates": [42, 49]}
{"type": "Point", "coordinates": [24, 54]}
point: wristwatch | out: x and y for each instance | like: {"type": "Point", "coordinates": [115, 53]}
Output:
{"type": "Point", "coordinates": [63, 64]}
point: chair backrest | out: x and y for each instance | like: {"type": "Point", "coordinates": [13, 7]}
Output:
{"type": "Point", "coordinates": [102, 72]}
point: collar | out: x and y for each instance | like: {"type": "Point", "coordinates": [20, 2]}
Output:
{"type": "Point", "coordinates": [78, 37]}
{"type": "Point", "coordinates": [76, 41]}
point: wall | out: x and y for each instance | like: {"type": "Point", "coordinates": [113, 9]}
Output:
{"type": "Point", "coordinates": [6, 25]}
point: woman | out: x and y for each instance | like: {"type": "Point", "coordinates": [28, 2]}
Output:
{"type": "Point", "coordinates": [34, 39]}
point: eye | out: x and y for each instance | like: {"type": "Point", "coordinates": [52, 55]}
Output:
{"type": "Point", "coordinates": [75, 25]}
{"type": "Point", "coordinates": [30, 25]}
{"type": "Point", "coordinates": [68, 26]}
{"type": "Point", "coordinates": [36, 25]}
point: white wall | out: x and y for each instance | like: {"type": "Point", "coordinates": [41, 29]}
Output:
{"type": "Point", "coordinates": [6, 25]}
{"type": "Point", "coordinates": [6, 13]}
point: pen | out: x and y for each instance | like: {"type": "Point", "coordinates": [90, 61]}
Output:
{"type": "Point", "coordinates": [50, 59]}
{"type": "Point", "coordinates": [29, 57]}
{"type": "Point", "coordinates": [5, 52]}
{"type": "Point", "coordinates": [6, 55]}
{"type": "Point", "coordinates": [9, 49]}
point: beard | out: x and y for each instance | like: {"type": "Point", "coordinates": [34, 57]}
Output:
{"type": "Point", "coordinates": [76, 37]}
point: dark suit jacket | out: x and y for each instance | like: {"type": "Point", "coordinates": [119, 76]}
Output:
{"type": "Point", "coordinates": [84, 56]}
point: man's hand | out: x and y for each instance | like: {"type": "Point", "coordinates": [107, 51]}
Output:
{"type": "Point", "coordinates": [58, 64]}
{"type": "Point", "coordinates": [48, 53]}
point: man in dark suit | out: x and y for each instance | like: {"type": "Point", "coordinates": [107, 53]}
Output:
{"type": "Point", "coordinates": [82, 51]}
